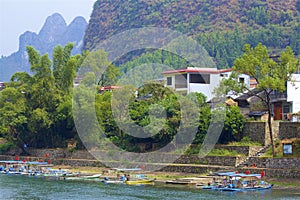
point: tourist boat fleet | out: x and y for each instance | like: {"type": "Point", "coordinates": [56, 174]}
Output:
{"type": "Point", "coordinates": [44, 170]}
{"type": "Point", "coordinates": [221, 181]}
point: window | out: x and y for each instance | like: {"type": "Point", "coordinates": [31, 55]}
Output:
{"type": "Point", "coordinates": [169, 80]}
{"type": "Point", "coordinates": [200, 78]}
{"type": "Point", "coordinates": [242, 80]}
{"type": "Point", "coordinates": [286, 109]}
{"type": "Point", "coordinates": [180, 81]}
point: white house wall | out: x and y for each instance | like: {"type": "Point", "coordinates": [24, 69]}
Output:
{"type": "Point", "coordinates": [201, 88]}
{"type": "Point", "coordinates": [246, 79]}
{"type": "Point", "coordinates": [206, 89]}
{"type": "Point", "coordinates": [226, 75]}
{"type": "Point", "coordinates": [293, 93]}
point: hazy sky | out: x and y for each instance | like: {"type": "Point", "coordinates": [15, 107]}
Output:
{"type": "Point", "coordinates": [18, 16]}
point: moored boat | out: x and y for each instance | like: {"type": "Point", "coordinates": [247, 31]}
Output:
{"type": "Point", "coordinates": [95, 177]}
{"type": "Point", "coordinates": [237, 182]}
{"type": "Point", "coordinates": [140, 182]}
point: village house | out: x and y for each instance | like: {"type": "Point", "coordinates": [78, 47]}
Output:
{"type": "Point", "coordinates": [1, 86]}
{"type": "Point", "coordinates": [202, 80]}
{"type": "Point", "coordinates": [285, 105]}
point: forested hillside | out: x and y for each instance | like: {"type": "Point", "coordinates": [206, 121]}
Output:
{"type": "Point", "coordinates": [221, 26]}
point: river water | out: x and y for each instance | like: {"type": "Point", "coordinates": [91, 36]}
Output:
{"type": "Point", "coordinates": [17, 187]}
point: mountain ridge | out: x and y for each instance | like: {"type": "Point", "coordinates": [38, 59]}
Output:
{"type": "Point", "coordinates": [54, 32]}
{"type": "Point", "coordinates": [213, 23]}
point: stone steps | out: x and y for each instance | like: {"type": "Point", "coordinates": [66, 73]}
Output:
{"type": "Point", "coordinates": [258, 153]}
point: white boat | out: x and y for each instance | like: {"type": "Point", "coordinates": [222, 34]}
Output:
{"type": "Point", "coordinates": [95, 177]}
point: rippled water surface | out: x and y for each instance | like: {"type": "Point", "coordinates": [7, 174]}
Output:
{"type": "Point", "coordinates": [14, 187]}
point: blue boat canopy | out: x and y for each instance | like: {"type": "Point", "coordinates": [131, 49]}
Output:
{"type": "Point", "coordinates": [21, 162]}
{"type": "Point", "coordinates": [234, 174]}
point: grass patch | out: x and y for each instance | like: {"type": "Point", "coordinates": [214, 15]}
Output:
{"type": "Point", "coordinates": [5, 146]}
{"type": "Point", "coordinates": [246, 141]}
{"type": "Point", "coordinates": [193, 150]}
{"type": "Point", "coordinates": [223, 152]}
{"type": "Point", "coordinates": [289, 184]}
{"type": "Point", "coordinates": [246, 144]}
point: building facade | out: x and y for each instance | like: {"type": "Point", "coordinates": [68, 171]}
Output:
{"type": "Point", "coordinates": [1, 86]}
{"type": "Point", "coordinates": [293, 93]}
{"type": "Point", "coordinates": [285, 103]}
{"type": "Point", "coordinates": [202, 80]}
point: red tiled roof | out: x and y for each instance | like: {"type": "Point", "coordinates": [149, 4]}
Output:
{"type": "Point", "coordinates": [198, 70]}
{"type": "Point", "coordinates": [111, 87]}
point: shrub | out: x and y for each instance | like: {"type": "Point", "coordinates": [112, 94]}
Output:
{"type": "Point", "coordinates": [6, 146]}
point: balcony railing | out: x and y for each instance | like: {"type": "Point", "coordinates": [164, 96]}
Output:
{"type": "Point", "coordinates": [278, 96]}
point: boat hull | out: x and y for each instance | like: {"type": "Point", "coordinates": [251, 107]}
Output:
{"type": "Point", "coordinates": [228, 189]}
{"type": "Point", "coordinates": [140, 182]}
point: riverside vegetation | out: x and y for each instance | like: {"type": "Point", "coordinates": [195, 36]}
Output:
{"type": "Point", "coordinates": [37, 109]}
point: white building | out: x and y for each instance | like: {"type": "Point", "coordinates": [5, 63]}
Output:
{"type": "Point", "coordinates": [202, 80]}
{"type": "Point", "coordinates": [1, 86]}
{"type": "Point", "coordinates": [293, 93]}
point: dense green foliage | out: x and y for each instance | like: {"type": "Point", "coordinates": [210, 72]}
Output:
{"type": "Point", "coordinates": [233, 125]}
{"type": "Point", "coordinates": [141, 112]}
{"type": "Point", "coordinates": [37, 109]}
{"type": "Point", "coordinates": [221, 27]}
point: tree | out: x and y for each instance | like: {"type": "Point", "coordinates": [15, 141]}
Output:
{"type": "Point", "coordinates": [12, 114]}
{"type": "Point", "coordinates": [233, 125]}
{"type": "Point", "coordinates": [64, 67]}
{"type": "Point", "coordinates": [37, 108]}
{"type": "Point", "coordinates": [98, 63]}
{"type": "Point", "coordinates": [269, 75]}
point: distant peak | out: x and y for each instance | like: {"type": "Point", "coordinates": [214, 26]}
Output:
{"type": "Point", "coordinates": [55, 18]}
{"type": "Point", "coordinates": [54, 26]}
{"type": "Point", "coordinates": [79, 20]}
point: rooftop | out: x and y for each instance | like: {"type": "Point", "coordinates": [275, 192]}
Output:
{"type": "Point", "coordinates": [198, 70]}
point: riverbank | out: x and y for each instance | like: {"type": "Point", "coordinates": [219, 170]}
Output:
{"type": "Point", "coordinates": [165, 177]}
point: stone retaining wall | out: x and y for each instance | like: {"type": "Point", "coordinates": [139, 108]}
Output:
{"type": "Point", "coordinates": [113, 156]}
{"type": "Point", "coordinates": [259, 131]}
{"type": "Point", "coordinates": [288, 130]}
{"type": "Point", "coordinates": [275, 173]}
{"type": "Point", "coordinates": [275, 163]}
{"type": "Point", "coordinates": [208, 160]}
{"type": "Point", "coordinates": [256, 131]}
{"type": "Point", "coordinates": [60, 153]}
{"type": "Point", "coordinates": [287, 168]}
